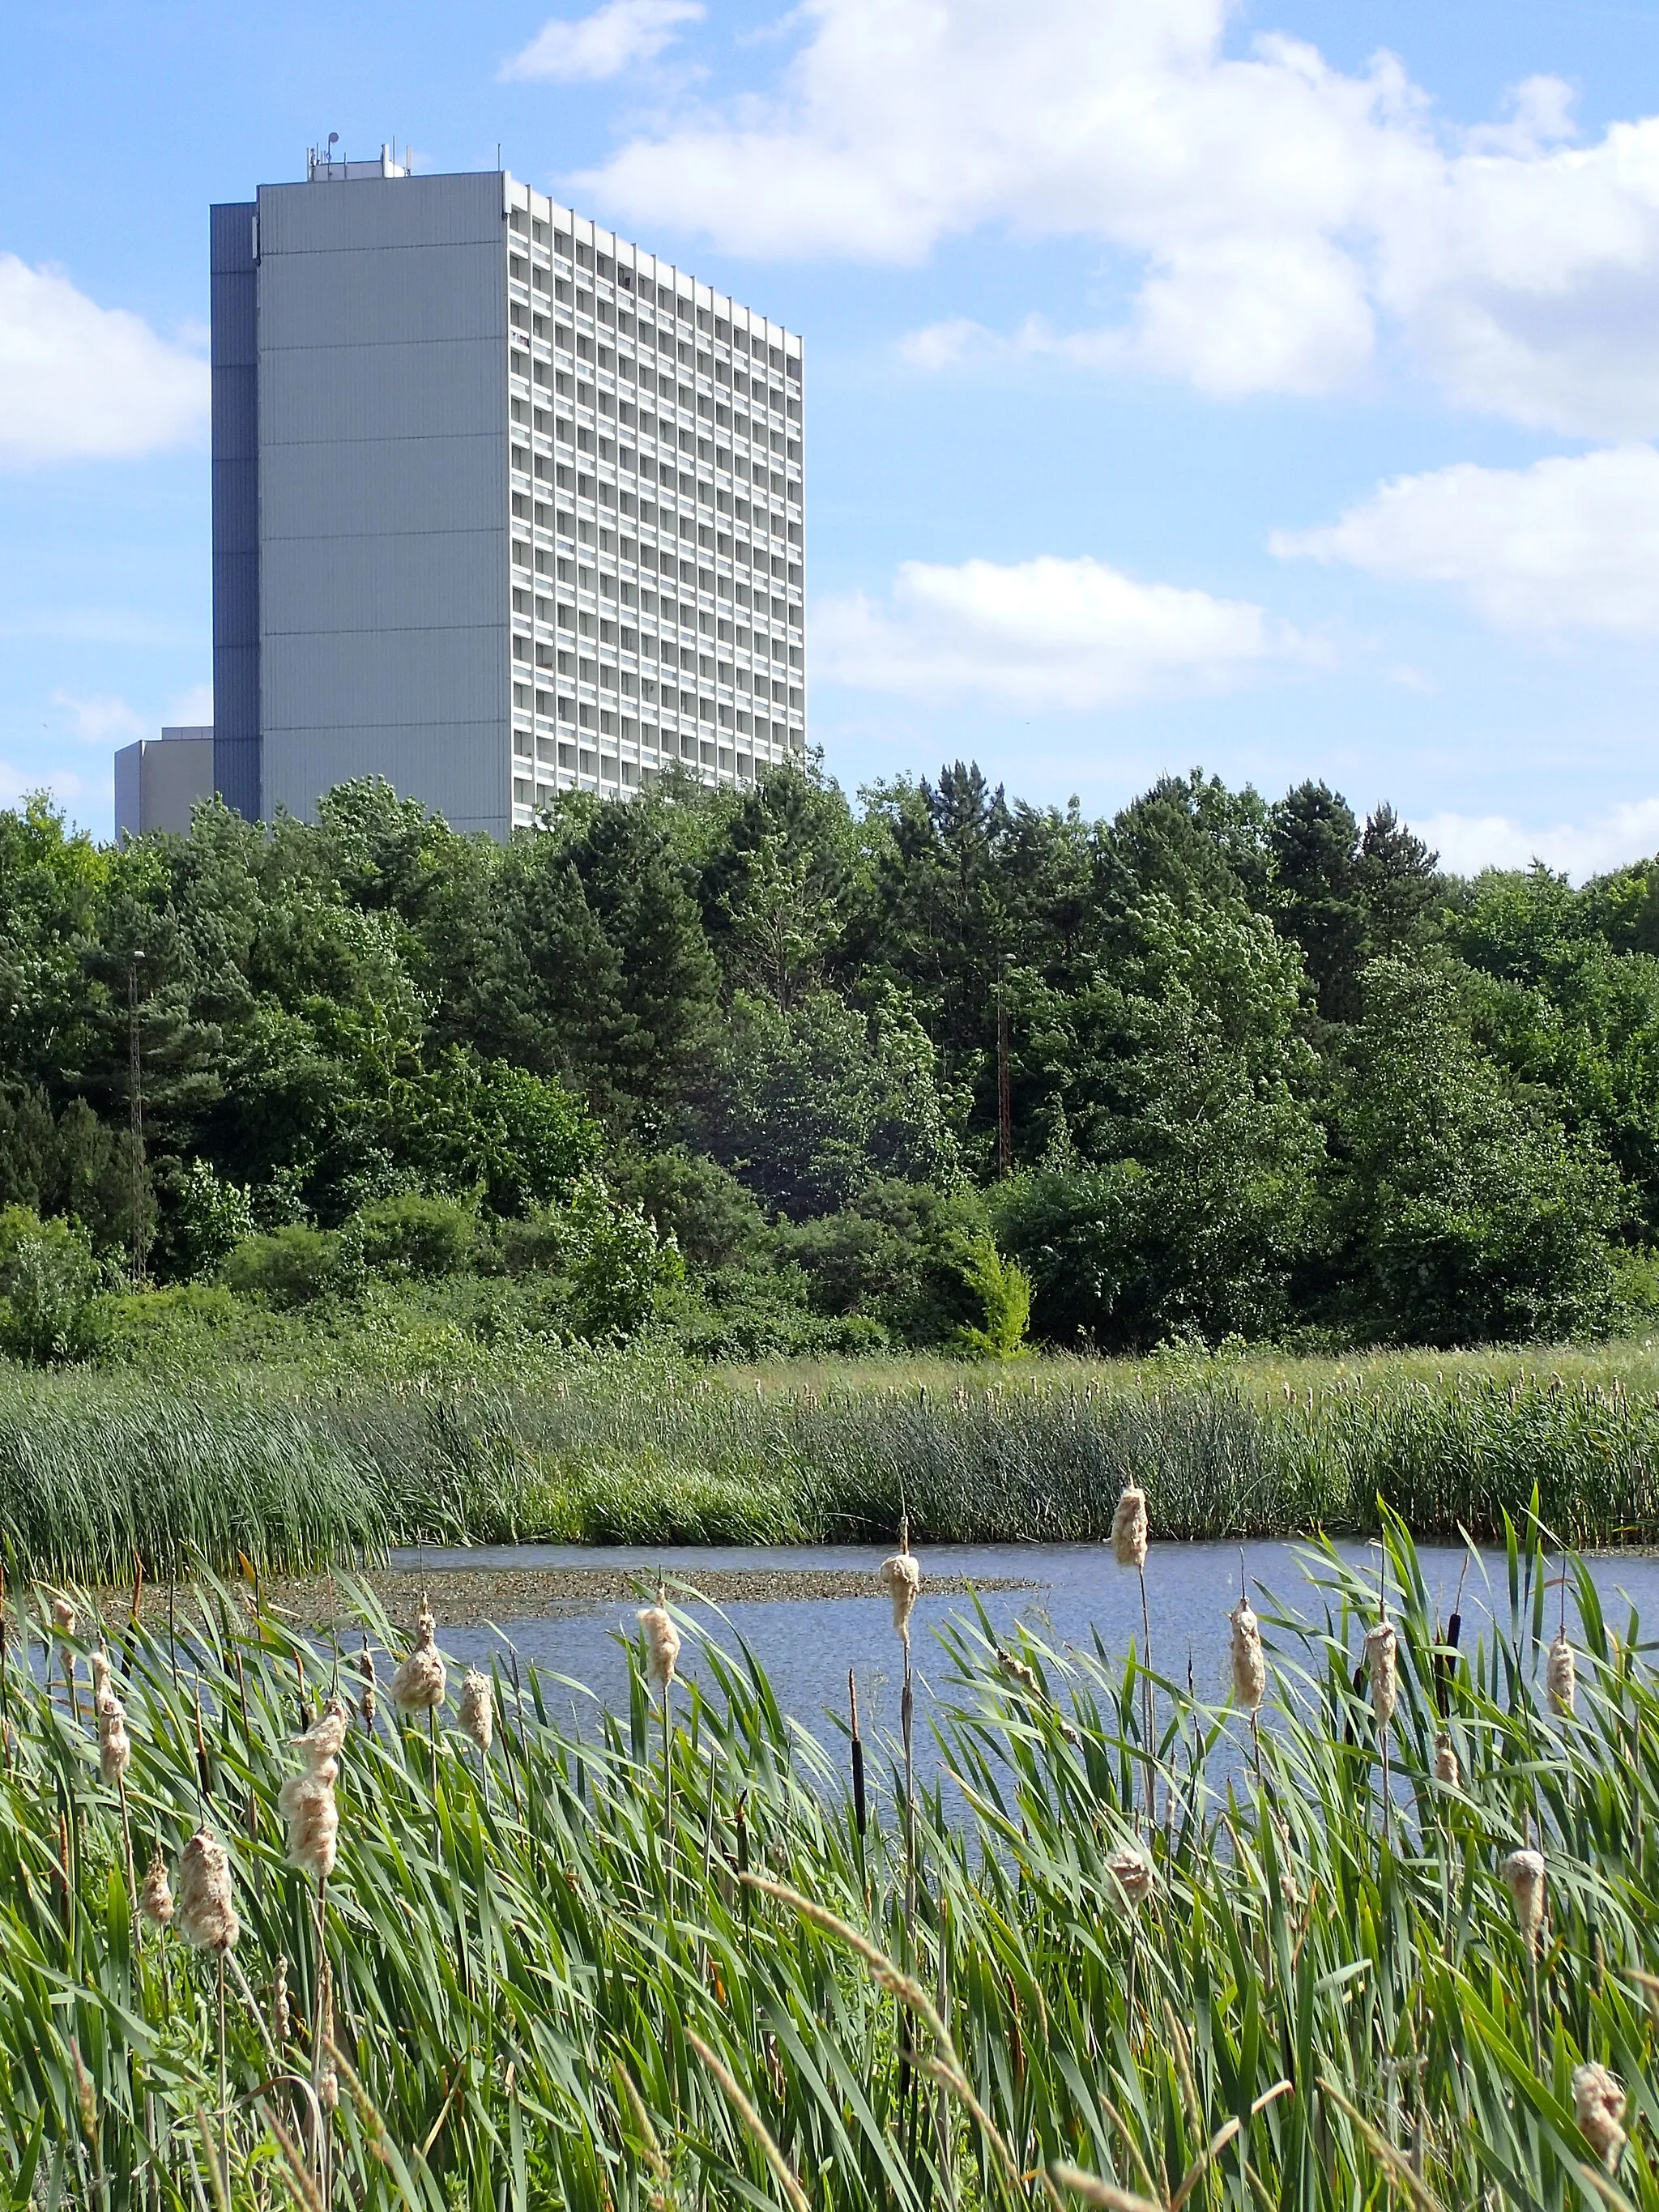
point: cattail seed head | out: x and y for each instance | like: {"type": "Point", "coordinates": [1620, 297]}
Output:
{"type": "Point", "coordinates": [328, 2089]}
{"type": "Point", "coordinates": [206, 1912]}
{"type": "Point", "coordinates": [1561, 1676]}
{"type": "Point", "coordinates": [322, 1740]}
{"type": "Point", "coordinates": [419, 1683]}
{"type": "Point", "coordinates": [1382, 1664]}
{"type": "Point", "coordinates": [100, 1683]}
{"type": "Point", "coordinates": [901, 1577]}
{"type": "Point", "coordinates": [1132, 1873]}
{"type": "Point", "coordinates": [1017, 1671]}
{"type": "Point", "coordinates": [1445, 1762]}
{"type": "Point", "coordinates": [1249, 1660]}
{"type": "Point", "coordinates": [115, 1744]}
{"type": "Point", "coordinates": [477, 1710]}
{"type": "Point", "coordinates": [1523, 1875]}
{"type": "Point", "coordinates": [281, 2014]}
{"type": "Point", "coordinates": [662, 1645]}
{"type": "Point", "coordinates": [1130, 1529]}
{"type": "Point", "coordinates": [156, 1897]}
{"type": "Point", "coordinates": [63, 1617]}
{"type": "Point", "coordinates": [368, 1701]}
{"type": "Point", "coordinates": [306, 1800]}
{"type": "Point", "coordinates": [1598, 2105]}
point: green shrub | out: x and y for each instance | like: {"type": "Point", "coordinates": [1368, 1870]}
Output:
{"type": "Point", "coordinates": [50, 1280]}
{"type": "Point", "coordinates": [1005, 1289]}
{"type": "Point", "coordinates": [293, 1265]}
{"type": "Point", "coordinates": [210, 1217]}
{"type": "Point", "coordinates": [416, 1235]}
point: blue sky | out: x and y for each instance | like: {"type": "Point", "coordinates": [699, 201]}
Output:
{"type": "Point", "coordinates": [1272, 389]}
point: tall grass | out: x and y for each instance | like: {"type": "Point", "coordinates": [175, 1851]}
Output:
{"type": "Point", "coordinates": [287, 1464]}
{"type": "Point", "coordinates": [579, 1978]}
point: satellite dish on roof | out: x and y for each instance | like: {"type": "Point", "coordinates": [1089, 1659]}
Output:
{"type": "Point", "coordinates": [333, 138]}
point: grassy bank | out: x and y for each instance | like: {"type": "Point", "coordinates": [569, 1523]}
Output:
{"type": "Point", "coordinates": [664, 1963]}
{"type": "Point", "coordinates": [289, 1462]}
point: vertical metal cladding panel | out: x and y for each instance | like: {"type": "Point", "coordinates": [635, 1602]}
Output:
{"type": "Point", "coordinates": [383, 491]}
{"type": "Point", "coordinates": [235, 506]}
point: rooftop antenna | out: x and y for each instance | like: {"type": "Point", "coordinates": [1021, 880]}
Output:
{"type": "Point", "coordinates": [333, 141]}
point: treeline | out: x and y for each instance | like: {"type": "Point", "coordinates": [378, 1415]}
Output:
{"type": "Point", "coordinates": [782, 1073]}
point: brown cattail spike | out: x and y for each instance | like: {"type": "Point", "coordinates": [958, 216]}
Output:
{"type": "Point", "coordinates": [1561, 1676]}
{"type": "Point", "coordinates": [1598, 2105]}
{"type": "Point", "coordinates": [1130, 1529]}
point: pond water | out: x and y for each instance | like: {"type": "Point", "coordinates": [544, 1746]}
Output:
{"type": "Point", "coordinates": [807, 1645]}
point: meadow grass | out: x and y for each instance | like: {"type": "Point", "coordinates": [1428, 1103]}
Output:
{"type": "Point", "coordinates": [662, 1963]}
{"type": "Point", "coordinates": [289, 1463]}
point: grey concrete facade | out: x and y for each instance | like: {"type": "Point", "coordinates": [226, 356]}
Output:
{"type": "Point", "coordinates": [501, 505]}
{"type": "Point", "coordinates": [159, 780]}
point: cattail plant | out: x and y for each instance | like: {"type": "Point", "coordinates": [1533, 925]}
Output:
{"type": "Point", "coordinates": [207, 1916]}
{"type": "Point", "coordinates": [1561, 1676]}
{"type": "Point", "coordinates": [901, 1577]}
{"type": "Point", "coordinates": [306, 1801]}
{"type": "Point", "coordinates": [1523, 1877]}
{"type": "Point", "coordinates": [67, 1626]}
{"type": "Point", "coordinates": [114, 1754]}
{"type": "Point", "coordinates": [1382, 1668]}
{"type": "Point", "coordinates": [368, 1697]}
{"type": "Point", "coordinates": [662, 1652]}
{"type": "Point", "coordinates": [1130, 1531]}
{"type": "Point", "coordinates": [1598, 2105]}
{"type": "Point", "coordinates": [1445, 1762]}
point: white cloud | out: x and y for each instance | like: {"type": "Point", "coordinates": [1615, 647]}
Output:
{"type": "Point", "coordinates": [1054, 633]}
{"type": "Point", "coordinates": [1281, 210]}
{"type": "Point", "coordinates": [604, 44]}
{"type": "Point", "coordinates": [98, 719]}
{"type": "Point", "coordinates": [79, 381]}
{"type": "Point", "coordinates": [1571, 542]}
{"type": "Point", "coordinates": [1468, 842]}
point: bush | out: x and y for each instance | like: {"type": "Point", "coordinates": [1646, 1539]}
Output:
{"type": "Point", "coordinates": [295, 1266]}
{"type": "Point", "coordinates": [210, 1217]}
{"type": "Point", "coordinates": [1005, 1289]}
{"type": "Point", "coordinates": [898, 1255]}
{"type": "Point", "coordinates": [692, 1199]}
{"type": "Point", "coordinates": [50, 1280]}
{"type": "Point", "coordinates": [617, 1270]}
{"type": "Point", "coordinates": [415, 1235]}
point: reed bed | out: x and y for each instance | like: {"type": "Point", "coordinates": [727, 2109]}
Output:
{"type": "Point", "coordinates": [668, 1961]}
{"type": "Point", "coordinates": [287, 1465]}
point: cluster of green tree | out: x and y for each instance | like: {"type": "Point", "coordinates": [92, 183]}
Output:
{"type": "Point", "coordinates": [783, 1072]}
